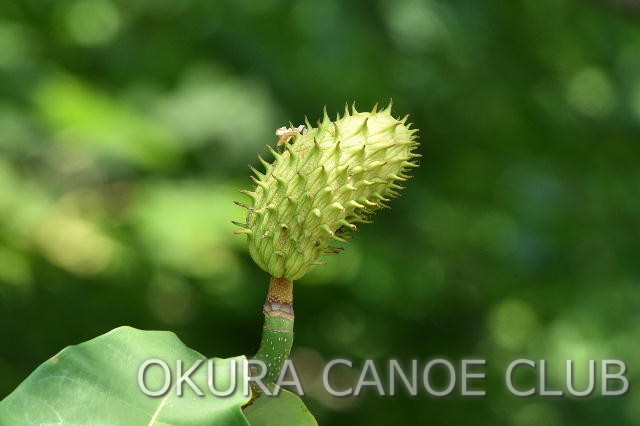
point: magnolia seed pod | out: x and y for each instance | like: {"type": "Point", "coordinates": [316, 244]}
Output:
{"type": "Point", "coordinates": [320, 184]}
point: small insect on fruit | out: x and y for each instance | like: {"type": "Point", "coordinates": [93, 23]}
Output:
{"type": "Point", "coordinates": [285, 134]}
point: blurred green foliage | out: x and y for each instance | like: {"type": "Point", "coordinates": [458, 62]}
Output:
{"type": "Point", "coordinates": [126, 126]}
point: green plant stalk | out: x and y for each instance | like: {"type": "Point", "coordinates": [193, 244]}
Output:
{"type": "Point", "coordinates": [321, 182]}
{"type": "Point", "coordinates": [277, 332]}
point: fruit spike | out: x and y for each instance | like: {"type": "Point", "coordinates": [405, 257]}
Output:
{"type": "Point", "coordinates": [321, 183]}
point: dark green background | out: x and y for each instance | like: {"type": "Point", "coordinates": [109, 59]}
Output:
{"type": "Point", "coordinates": [126, 127]}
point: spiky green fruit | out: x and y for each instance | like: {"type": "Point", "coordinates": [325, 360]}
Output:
{"type": "Point", "coordinates": [321, 184]}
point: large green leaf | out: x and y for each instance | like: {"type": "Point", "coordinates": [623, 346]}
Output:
{"type": "Point", "coordinates": [284, 409]}
{"type": "Point", "coordinates": [96, 382]}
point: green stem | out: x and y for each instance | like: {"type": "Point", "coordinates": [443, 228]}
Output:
{"type": "Point", "coordinates": [277, 333]}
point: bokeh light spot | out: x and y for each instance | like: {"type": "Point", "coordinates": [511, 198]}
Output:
{"type": "Point", "coordinates": [536, 414]}
{"type": "Point", "coordinates": [14, 268]}
{"type": "Point", "coordinates": [635, 100]}
{"type": "Point", "coordinates": [591, 93]}
{"type": "Point", "coordinates": [92, 22]}
{"type": "Point", "coordinates": [513, 324]}
{"type": "Point", "coordinates": [14, 45]}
